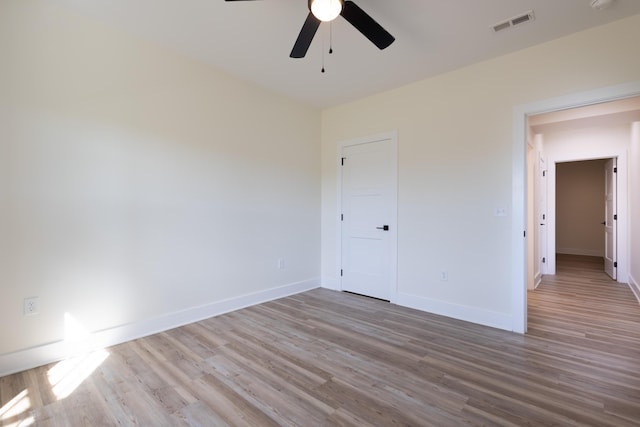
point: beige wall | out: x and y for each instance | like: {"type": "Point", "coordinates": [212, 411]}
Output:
{"type": "Point", "coordinates": [455, 164]}
{"type": "Point", "coordinates": [580, 208]}
{"type": "Point", "coordinates": [135, 183]}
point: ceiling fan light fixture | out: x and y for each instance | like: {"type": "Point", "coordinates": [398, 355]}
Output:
{"type": "Point", "coordinates": [326, 10]}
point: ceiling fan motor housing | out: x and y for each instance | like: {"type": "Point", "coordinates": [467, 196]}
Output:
{"type": "Point", "coordinates": [326, 10]}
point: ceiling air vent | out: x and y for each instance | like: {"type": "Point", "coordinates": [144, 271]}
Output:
{"type": "Point", "coordinates": [512, 22]}
{"type": "Point", "coordinates": [601, 4]}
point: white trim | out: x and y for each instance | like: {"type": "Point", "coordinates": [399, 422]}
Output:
{"type": "Point", "coordinates": [53, 352]}
{"type": "Point", "coordinates": [622, 208]}
{"type": "Point", "coordinates": [537, 280]}
{"type": "Point", "coordinates": [519, 178]}
{"type": "Point", "coordinates": [393, 137]}
{"type": "Point", "coordinates": [455, 311]}
{"type": "Point", "coordinates": [519, 232]}
{"type": "Point", "coordinates": [635, 287]}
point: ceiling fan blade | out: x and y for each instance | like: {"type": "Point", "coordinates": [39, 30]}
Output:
{"type": "Point", "coordinates": [305, 37]}
{"type": "Point", "coordinates": [366, 25]}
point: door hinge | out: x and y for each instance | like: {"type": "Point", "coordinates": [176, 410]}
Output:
{"type": "Point", "coordinates": [615, 170]}
{"type": "Point", "coordinates": [615, 264]}
{"type": "Point", "coordinates": [544, 173]}
{"type": "Point", "coordinates": [615, 217]}
{"type": "Point", "coordinates": [544, 216]}
{"type": "Point", "coordinates": [341, 273]}
{"type": "Point", "coordinates": [544, 260]}
{"type": "Point", "coordinates": [342, 161]}
{"type": "Point", "coordinates": [341, 217]}
{"type": "Point", "coordinates": [525, 233]}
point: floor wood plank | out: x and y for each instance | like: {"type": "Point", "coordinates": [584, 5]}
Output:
{"type": "Point", "coordinates": [325, 358]}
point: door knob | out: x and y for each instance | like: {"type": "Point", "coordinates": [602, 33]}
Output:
{"type": "Point", "coordinates": [604, 223]}
{"type": "Point", "coordinates": [384, 227]}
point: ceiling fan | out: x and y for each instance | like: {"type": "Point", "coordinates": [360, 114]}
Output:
{"type": "Point", "coordinates": [328, 10]}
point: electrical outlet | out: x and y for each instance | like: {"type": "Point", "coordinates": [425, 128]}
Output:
{"type": "Point", "coordinates": [31, 306]}
{"type": "Point", "coordinates": [444, 276]}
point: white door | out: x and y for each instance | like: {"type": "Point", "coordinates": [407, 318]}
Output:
{"type": "Point", "coordinates": [542, 216]}
{"type": "Point", "coordinates": [369, 200]}
{"type": "Point", "coordinates": [611, 218]}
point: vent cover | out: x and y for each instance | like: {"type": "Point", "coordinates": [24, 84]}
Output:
{"type": "Point", "coordinates": [601, 4]}
{"type": "Point", "coordinates": [512, 22]}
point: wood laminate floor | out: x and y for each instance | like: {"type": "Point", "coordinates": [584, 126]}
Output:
{"type": "Point", "coordinates": [324, 358]}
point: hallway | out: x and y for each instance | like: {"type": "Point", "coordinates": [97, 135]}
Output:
{"type": "Point", "coordinates": [596, 321]}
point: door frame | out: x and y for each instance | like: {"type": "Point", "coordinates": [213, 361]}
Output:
{"type": "Point", "coordinates": [519, 230]}
{"type": "Point", "coordinates": [541, 208]}
{"type": "Point", "coordinates": [391, 136]}
{"type": "Point", "coordinates": [621, 207]}
{"type": "Point", "coordinates": [611, 256]}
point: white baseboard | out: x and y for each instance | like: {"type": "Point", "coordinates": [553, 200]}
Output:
{"type": "Point", "coordinates": [41, 355]}
{"type": "Point", "coordinates": [578, 251]}
{"type": "Point", "coordinates": [635, 287]}
{"type": "Point", "coordinates": [460, 312]}
{"type": "Point", "coordinates": [537, 280]}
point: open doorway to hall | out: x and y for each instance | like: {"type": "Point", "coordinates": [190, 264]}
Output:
{"type": "Point", "coordinates": [568, 153]}
{"type": "Point", "coordinates": [586, 214]}
{"type": "Point", "coordinates": [533, 124]}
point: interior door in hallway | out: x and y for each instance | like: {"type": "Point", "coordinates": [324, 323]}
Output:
{"type": "Point", "coordinates": [541, 187]}
{"type": "Point", "coordinates": [611, 218]}
{"type": "Point", "coordinates": [369, 203]}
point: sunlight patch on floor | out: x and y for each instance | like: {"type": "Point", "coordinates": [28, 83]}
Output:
{"type": "Point", "coordinates": [11, 412]}
{"type": "Point", "coordinates": [67, 375]}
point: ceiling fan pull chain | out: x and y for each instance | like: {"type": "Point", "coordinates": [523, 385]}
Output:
{"type": "Point", "coordinates": [330, 37]}
{"type": "Point", "coordinates": [322, 55]}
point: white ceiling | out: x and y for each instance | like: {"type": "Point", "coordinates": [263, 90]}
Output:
{"type": "Point", "coordinates": [252, 40]}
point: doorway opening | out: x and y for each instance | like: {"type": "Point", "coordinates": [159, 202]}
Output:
{"type": "Point", "coordinates": [573, 145]}
{"type": "Point", "coordinates": [564, 111]}
{"type": "Point", "coordinates": [586, 213]}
